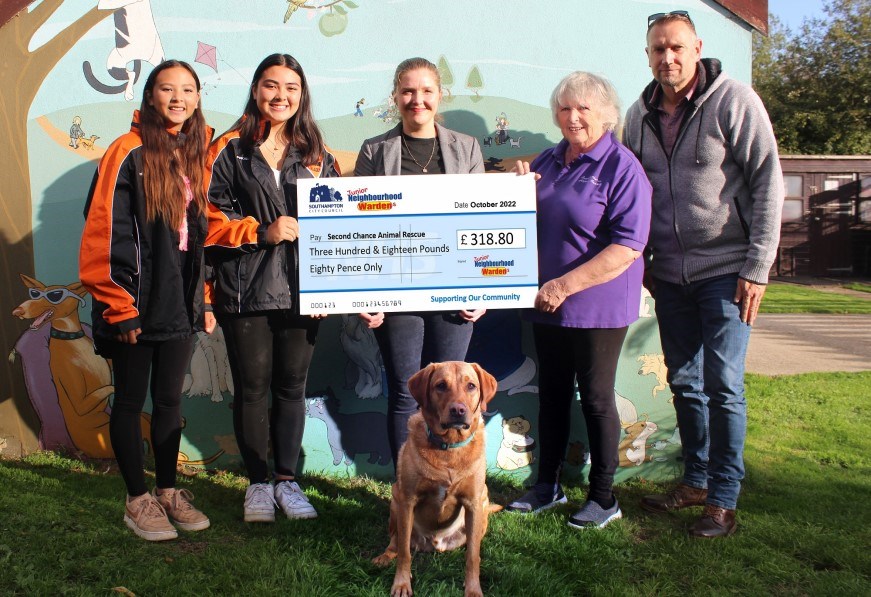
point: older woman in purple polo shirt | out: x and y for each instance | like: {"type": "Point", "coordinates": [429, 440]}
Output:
{"type": "Point", "coordinates": [593, 219]}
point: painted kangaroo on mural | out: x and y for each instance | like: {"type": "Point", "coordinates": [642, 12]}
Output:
{"type": "Point", "coordinates": [82, 378]}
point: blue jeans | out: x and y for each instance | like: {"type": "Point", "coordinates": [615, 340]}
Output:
{"type": "Point", "coordinates": [705, 344]}
{"type": "Point", "coordinates": [409, 342]}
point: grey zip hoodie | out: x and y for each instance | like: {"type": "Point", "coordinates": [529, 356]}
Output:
{"type": "Point", "coordinates": [717, 201]}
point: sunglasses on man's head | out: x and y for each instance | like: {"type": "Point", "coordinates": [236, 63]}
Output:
{"type": "Point", "coordinates": [651, 20]}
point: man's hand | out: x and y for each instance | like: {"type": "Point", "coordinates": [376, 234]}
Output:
{"type": "Point", "coordinates": [749, 296]}
{"type": "Point", "coordinates": [284, 228]}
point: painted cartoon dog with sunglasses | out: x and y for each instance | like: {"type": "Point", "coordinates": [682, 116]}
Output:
{"type": "Point", "coordinates": [82, 378]}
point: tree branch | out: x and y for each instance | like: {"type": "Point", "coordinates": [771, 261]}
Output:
{"type": "Point", "coordinates": [34, 19]}
{"type": "Point", "coordinates": [53, 50]}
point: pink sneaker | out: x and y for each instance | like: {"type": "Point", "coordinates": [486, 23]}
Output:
{"type": "Point", "coordinates": [177, 503]}
{"type": "Point", "coordinates": [146, 517]}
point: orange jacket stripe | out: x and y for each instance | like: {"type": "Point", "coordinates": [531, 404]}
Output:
{"type": "Point", "coordinates": [223, 231]}
{"type": "Point", "coordinates": [98, 252]}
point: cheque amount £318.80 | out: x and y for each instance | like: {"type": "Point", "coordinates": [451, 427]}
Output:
{"type": "Point", "coordinates": [502, 238]}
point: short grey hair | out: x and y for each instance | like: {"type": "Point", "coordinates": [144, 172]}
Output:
{"type": "Point", "coordinates": [581, 87]}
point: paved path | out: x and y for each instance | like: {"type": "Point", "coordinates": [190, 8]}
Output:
{"type": "Point", "coordinates": [805, 343]}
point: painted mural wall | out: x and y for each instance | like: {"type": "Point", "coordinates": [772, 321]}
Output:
{"type": "Point", "coordinates": [499, 63]}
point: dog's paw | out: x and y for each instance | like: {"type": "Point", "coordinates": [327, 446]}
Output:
{"type": "Point", "coordinates": [384, 559]}
{"type": "Point", "coordinates": [401, 588]}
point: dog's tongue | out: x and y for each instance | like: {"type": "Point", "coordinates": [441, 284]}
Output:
{"type": "Point", "coordinates": [37, 323]}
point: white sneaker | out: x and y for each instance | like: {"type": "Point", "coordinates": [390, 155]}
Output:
{"type": "Point", "coordinates": [292, 500]}
{"type": "Point", "coordinates": [259, 503]}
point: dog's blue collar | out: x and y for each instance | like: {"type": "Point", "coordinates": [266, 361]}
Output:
{"type": "Point", "coordinates": [438, 443]}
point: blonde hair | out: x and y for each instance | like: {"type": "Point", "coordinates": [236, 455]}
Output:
{"type": "Point", "coordinates": [582, 87]}
{"type": "Point", "coordinates": [414, 64]}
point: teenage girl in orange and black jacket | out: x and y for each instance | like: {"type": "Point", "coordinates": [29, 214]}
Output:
{"type": "Point", "coordinates": [141, 259]}
{"type": "Point", "coordinates": [251, 178]}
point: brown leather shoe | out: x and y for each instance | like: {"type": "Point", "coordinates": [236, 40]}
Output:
{"type": "Point", "coordinates": [682, 496]}
{"type": "Point", "coordinates": [715, 522]}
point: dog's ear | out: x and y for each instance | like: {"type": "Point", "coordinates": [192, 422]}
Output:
{"type": "Point", "coordinates": [486, 382]}
{"type": "Point", "coordinates": [78, 289]}
{"type": "Point", "coordinates": [31, 282]}
{"type": "Point", "coordinates": [418, 384]}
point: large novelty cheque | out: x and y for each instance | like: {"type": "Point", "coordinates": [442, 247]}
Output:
{"type": "Point", "coordinates": [417, 243]}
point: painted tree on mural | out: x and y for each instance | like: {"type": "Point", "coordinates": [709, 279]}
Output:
{"type": "Point", "coordinates": [475, 82]}
{"type": "Point", "coordinates": [447, 77]}
{"type": "Point", "coordinates": [22, 72]}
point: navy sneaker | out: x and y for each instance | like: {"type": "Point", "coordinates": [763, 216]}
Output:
{"type": "Point", "coordinates": [541, 497]}
{"type": "Point", "coordinates": [593, 516]}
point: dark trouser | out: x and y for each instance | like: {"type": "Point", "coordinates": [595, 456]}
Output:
{"type": "Point", "coordinates": [270, 350]}
{"type": "Point", "coordinates": [590, 355]}
{"type": "Point", "coordinates": [409, 342]}
{"type": "Point", "coordinates": [167, 362]}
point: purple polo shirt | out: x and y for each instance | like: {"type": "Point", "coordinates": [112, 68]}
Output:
{"type": "Point", "coordinates": [602, 197]}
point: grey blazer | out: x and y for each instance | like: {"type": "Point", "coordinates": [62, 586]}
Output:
{"type": "Point", "coordinates": [380, 156]}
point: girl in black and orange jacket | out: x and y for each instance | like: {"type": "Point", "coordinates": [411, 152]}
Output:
{"type": "Point", "coordinates": [251, 179]}
{"type": "Point", "coordinates": [141, 259]}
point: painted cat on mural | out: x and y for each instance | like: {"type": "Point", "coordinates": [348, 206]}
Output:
{"type": "Point", "coordinates": [353, 433]}
{"type": "Point", "coordinates": [136, 40]}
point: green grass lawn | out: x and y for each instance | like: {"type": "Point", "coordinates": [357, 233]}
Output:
{"type": "Point", "coordinates": [859, 286]}
{"type": "Point", "coordinates": [794, 298]}
{"type": "Point", "coordinates": [805, 527]}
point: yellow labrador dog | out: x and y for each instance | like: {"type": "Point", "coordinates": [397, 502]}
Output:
{"type": "Point", "coordinates": [440, 499]}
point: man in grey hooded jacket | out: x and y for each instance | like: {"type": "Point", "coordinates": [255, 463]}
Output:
{"type": "Point", "coordinates": [707, 146]}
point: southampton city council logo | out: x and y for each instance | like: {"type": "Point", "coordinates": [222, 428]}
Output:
{"type": "Point", "coordinates": [321, 193]}
{"type": "Point", "coordinates": [323, 198]}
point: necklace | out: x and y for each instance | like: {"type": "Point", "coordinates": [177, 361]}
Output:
{"type": "Point", "coordinates": [275, 151]}
{"type": "Point", "coordinates": [414, 159]}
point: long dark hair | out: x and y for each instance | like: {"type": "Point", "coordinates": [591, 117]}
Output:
{"type": "Point", "coordinates": [301, 131]}
{"type": "Point", "coordinates": [167, 158]}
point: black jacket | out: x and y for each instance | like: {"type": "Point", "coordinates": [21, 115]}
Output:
{"type": "Point", "coordinates": [133, 268]}
{"type": "Point", "coordinates": [249, 274]}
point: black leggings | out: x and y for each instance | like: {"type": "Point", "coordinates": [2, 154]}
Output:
{"type": "Point", "coordinates": [269, 351]}
{"type": "Point", "coordinates": [168, 362]}
{"type": "Point", "coordinates": [590, 355]}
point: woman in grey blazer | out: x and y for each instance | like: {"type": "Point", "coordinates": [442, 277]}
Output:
{"type": "Point", "coordinates": [410, 341]}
